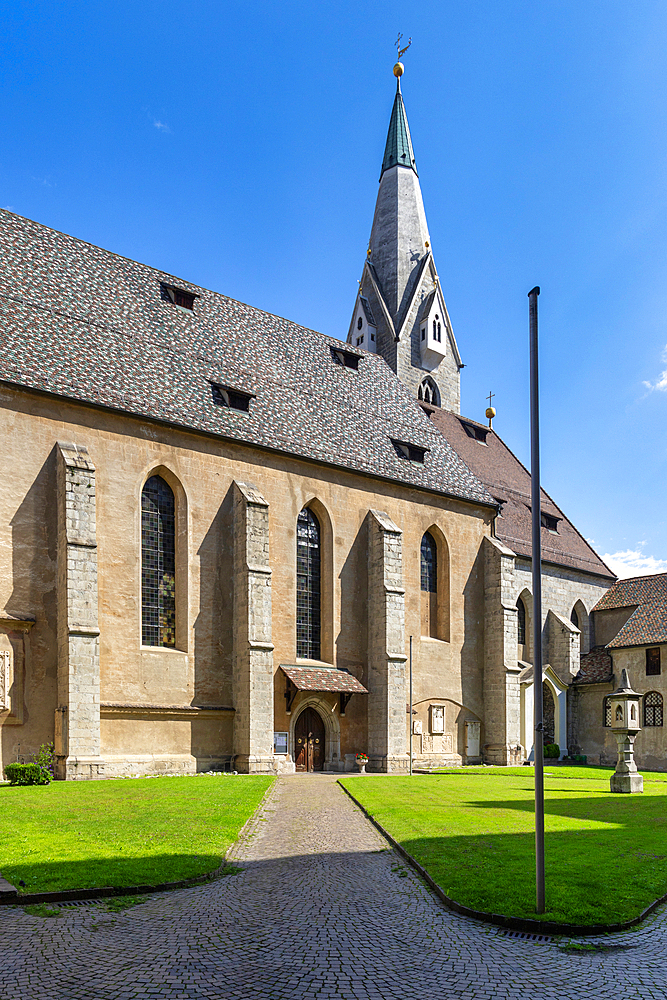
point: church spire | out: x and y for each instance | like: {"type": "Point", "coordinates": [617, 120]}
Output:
{"type": "Point", "coordinates": [399, 144]}
{"type": "Point", "coordinates": [400, 311]}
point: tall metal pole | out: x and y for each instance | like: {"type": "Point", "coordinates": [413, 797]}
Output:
{"type": "Point", "coordinates": [410, 704]}
{"type": "Point", "coordinates": [537, 603]}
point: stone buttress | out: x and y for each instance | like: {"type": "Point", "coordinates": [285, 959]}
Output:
{"type": "Point", "coordinates": [387, 688]}
{"type": "Point", "coordinates": [253, 646]}
{"type": "Point", "coordinates": [77, 728]}
{"type": "Point", "coordinates": [502, 695]}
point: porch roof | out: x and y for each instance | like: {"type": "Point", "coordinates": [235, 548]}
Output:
{"type": "Point", "coordinates": [322, 679]}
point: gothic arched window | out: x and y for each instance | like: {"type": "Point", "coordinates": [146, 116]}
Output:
{"type": "Point", "coordinates": [308, 586]}
{"type": "Point", "coordinates": [428, 391]}
{"type": "Point", "coordinates": [158, 564]}
{"type": "Point", "coordinates": [429, 585]}
{"type": "Point", "coordinates": [429, 564]}
{"type": "Point", "coordinates": [521, 622]}
{"type": "Point", "coordinates": [652, 709]}
{"type": "Point", "coordinates": [574, 618]}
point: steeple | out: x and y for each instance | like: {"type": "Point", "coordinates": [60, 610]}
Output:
{"type": "Point", "coordinates": [400, 311]}
{"type": "Point", "coordinates": [399, 144]}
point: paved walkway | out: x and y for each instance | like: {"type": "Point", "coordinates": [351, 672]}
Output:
{"type": "Point", "coordinates": [322, 909]}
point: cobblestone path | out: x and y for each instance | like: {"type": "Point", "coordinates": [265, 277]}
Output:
{"type": "Point", "coordinates": [321, 909]}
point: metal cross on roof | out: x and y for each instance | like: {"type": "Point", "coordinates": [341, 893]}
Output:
{"type": "Point", "coordinates": [490, 397]}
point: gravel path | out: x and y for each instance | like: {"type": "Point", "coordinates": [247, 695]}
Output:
{"type": "Point", "coordinates": [321, 909]}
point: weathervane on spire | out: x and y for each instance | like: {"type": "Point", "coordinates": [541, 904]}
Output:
{"type": "Point", "coordinates": [399, 67]}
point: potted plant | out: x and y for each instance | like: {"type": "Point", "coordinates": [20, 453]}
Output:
{"type": "Point", "coordinates": [362, 760]}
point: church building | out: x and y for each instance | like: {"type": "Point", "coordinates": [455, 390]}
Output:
{"type": "Point", "coordinates": [219, 530]}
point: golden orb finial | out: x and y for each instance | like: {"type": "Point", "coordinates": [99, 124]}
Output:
{"type": "Point", "coordinates": [399, 69]}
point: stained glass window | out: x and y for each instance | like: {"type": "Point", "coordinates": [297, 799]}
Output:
{"type": "Point", "coordinates": [574, 618]}
{"type": "Point", "coordinates": [653, 709]}
{"type": "Point", "coordinates": [158, 563]}
{"type": "Point", "coordinates": [429, 573]}
{"type": "Point", "coordinates": [308, 612]}
{"type": "Point", "coordinates": [521, 622]}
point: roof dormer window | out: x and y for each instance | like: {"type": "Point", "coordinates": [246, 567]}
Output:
{"type": "Point", "coordinates": [473, 431]}
{"type": "Point", "coordinates": [549, 522]}
{"type": "Point", "coordinates": [179, 296]}
{"type": "Point", "coordinates": [413, 452]}
{"type": "Point", "coordinates": [233, 399]}
{"type": "Point", "coordinates": [345, 358]}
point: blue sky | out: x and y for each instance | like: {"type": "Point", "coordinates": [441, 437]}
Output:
{"type": "Point", "coordinates": [239, 146]}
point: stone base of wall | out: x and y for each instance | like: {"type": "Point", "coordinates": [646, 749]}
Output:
{"type": "Point", "coordinates": [250, 764]}
{"type": "Point", "coordinates": [389, 764]}
{"type": "Point", "coordinates": [503, 755]}
{"type": "Point", "coordinates": [131, 765]}
{"type": "Point", "coordinates": [79, 768]}
{"type": "Point", "coordinates": [427, 762]}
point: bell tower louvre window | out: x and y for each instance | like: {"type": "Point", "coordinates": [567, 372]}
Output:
{"type": "Point", "coordinates": [308, 586]}
{"type": "Point", "coordinates": [158, 564]}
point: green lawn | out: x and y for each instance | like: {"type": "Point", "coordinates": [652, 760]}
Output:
{"type": "Point", "coordinates": [473, 830]}
{"type": "Point", "coordinates": [76, 835]}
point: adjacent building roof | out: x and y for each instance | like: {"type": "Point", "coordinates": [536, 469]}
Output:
{"type": "Point", "coordinates": [596, 667]}
{"type": "Point", "coordinates": [635, 590]}
{"type": "Point", "coordinates": [398, 150]}
{"type": "Point", "coordinates": [323, 679]}
{"type": "Point", "coordinates": [88, 325]}
{"type": "Point", "coordinates": [508, 481]}
{"type": "Point", "coordinates": [647, 626]}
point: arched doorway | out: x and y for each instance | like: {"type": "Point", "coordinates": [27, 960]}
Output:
{"type": "Point", "coordinates": [309, 741]}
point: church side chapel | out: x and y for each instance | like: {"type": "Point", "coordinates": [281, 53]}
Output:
{"type": "Point", "coordinates": [219, 529]}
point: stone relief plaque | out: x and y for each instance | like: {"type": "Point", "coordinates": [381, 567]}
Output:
{"type": "Point", "coordinates": [437, 718]}
{"type": "Point", "coordinates": [417, 727]}
{"type": "Point", "coordinates": [5, 681]}
{"type": "Point", "coordinates": [435, 743]}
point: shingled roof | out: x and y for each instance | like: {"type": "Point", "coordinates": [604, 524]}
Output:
{"type": "Point", "coordinates": [634, 590]}
{"type": "Point", "coordinates": [508, 481]}
{"type": "Point", "coordinates": [88, 325]}
{"type": "Point", "coordinates": [595, 667]}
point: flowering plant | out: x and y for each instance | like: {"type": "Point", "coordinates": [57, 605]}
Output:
{"type": "Point", "coordinates": [361, 758]}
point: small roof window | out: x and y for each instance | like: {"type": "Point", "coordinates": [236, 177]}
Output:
{"type": "Point", "coordinates": [413, 452]}
{"type": "Point", "coordinates": [234, 399]}
{"type": "Point", "coordinates": [179, 296]}
{"type": "Point", "coordinates": [549, 522]}
{"type": "Point", "coordinates": [473, 431]}
{"type": "Point", "coordinates": [346, 358]}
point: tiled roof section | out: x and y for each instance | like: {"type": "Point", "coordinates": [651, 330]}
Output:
{"type": "Point", "coordinates": [596, 667]}
{"type": "Point", "coordinates": [647, 626]}
{"type": "Point", "coordinates": [323, 679]}
{"type": "Point", "coordinates": [636, 590]}
{"type": "Point", "coordinates": [508, 481]}
{"type": "Point", "coordinates": [399, 144]}
{"type": "Point", "coordinates": [86, 324]}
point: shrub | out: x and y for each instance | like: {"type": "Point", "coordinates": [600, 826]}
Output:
{"type": "Point", "coordinates": [552, 750]}
{"type": "Point", "coordinates": [26, 774]}
{"type": "Point", "coordinates": [44, 759]}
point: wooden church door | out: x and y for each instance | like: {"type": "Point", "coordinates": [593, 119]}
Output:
{"type": "Point", "coordinates": [309, 741]}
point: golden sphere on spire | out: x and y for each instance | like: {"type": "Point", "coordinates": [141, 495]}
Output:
{"type": "Point", "coordinates": [399, 69]}
{"type": "Point", "coordinates": [490, 412]}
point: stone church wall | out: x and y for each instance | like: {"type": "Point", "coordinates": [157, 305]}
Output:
{"type": "Point", "coordinates": [170, 710]}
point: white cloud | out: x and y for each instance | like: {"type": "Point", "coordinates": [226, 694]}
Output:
{"type": "Point", "coordinates": [162, 127]}
{"type": "Point", "coordinates": [633, 562]}
{"type": "Point", "coordinates": [660, 383]}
